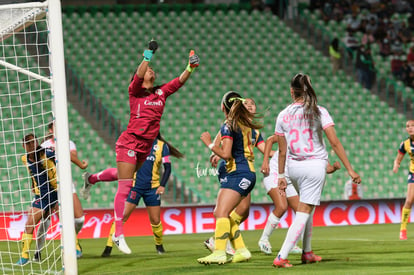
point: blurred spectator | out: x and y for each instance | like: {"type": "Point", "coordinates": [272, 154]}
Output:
{"type": "Point", "coordinates": [407, 74]}
{"type": "Point", "coordinates": [338, 12]}
{"type": "Point", "coordinates": [365, 67]}
{"type": "Point", "coordinates": [353, 23]}
{"type": "Point", "coordinates": [404, 34]}
{"type": "Point", "coordinates": [351, 43]}
{"type": "Point", "coordinates": [396, 67]}
{"type": "Point", "coordinates": [397, 47]}
{"type": "Point", "coordinates": [410, 57]}
{"type": "Point", "coordinates": [335, 55]}
{"type": "Point", "coordinates": [385, 47]}
{"type": "Point", "coordinates": [367, 38]}
{"type": "Point", "coordinates": [371, 25]}
{"type": "Point", "coordinates": [411, 22]}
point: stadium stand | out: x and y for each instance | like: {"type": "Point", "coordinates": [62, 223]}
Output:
{"type": "Point", "coordinates": [248, 51]}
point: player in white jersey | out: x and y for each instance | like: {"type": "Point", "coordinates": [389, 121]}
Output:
{"type": "Point", "coordinates": [299, 127]}
{"type": "Point", "coordinates": [270, 170]}
{"type": "Point", "coordinates": [77, 206]}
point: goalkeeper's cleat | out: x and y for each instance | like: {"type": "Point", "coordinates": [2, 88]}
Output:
{"type": "Point", "coordinates": [107, 251]}
{"type": "Point", "coordinates": [296, 250]}
{"type": "Point", "coordinates": [403, 234]}
{"type": "Point", "coordinates": [241, 255]}
{"type": "Point", "coordinates": [217, 257]}
{"type": "Point", "coordinates": [265, 247]}
{"type": "Point", "coordinates": [310, 257]}
{"type": "Point", "coordinates": [86, 188]}
{"type": "Point", "coordinates": [22, 261]}
{"type": "Point", "coordinates": [279, 262]}
{"type": "Point", "coordinates": [209, 244]}
{"type": "Point", "coordinates": [160, 249]}
{"type": "Point", "coordinates": [37, 258]}
{"type": "Point", "coordinates": [121, 244]}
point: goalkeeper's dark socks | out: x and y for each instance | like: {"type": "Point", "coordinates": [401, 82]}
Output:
{"type": "Point", "coordinates": [107, 251]}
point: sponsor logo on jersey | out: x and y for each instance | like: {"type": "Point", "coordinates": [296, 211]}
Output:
{"type": "Point", "coordinates": [131, 153]}
{"type": "Point", "coordinates": [153, 103]}
{"type": "Point", "coordinates": [244, 184]}
{"type": "Point", "coordinates": [159, 92]}
{"type": "Point", "coordinates": [151, 158]}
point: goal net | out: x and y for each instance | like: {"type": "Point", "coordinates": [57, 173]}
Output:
{"type": "Point", "coordinates": [32, 95]}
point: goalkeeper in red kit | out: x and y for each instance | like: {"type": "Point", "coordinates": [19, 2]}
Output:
{"type": "Point", "coordinates": [147, 103]}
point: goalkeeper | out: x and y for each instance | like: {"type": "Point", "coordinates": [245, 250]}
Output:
{"type": "Point", "coordinates": [146, 102]}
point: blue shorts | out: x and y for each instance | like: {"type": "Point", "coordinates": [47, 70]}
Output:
{"type": "Point", "coordinates": [242, 182]}
{"type": "Point", "coordinates": [410, 178]}
{"type": "Point", "coordinates": [149, 196]}
{"type": "Point", "coordinates": [47, 202]}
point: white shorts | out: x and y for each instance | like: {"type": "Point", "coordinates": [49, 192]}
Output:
{"type": "Point", "coordinates": [73, 188]}
{"type": "Point", "coordinates": [309, 177]}
{"type": "Point", "coordinates": [271, 181]}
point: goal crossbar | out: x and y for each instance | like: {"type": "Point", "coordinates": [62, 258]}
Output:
{"type": "Point", "coordinates": [24, 71]}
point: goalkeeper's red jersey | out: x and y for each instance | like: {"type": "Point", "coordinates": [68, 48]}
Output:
{"type": "Point", "coordinates": [146, 110]}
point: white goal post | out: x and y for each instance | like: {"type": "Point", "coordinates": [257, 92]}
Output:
{"type": "Point", "coordinates": [32, 95]}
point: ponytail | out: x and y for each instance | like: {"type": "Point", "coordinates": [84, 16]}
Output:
{"type": "Point", "coordinates": [302, 87]}
{"type": "Point", "coordinates": [173, 151]}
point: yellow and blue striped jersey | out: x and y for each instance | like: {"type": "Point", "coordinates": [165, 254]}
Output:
{"type": "Point", "coordinates": [242, 151]}
{"type": "Point", "coordinates": [148, 176]}
{"type": "Point", "coordinates": [43, 174]}
{"type": "Point", "coordinates": [407, 146]}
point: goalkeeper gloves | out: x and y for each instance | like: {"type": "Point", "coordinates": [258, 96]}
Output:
{"type": "Point", "coordinates": [152, 47]}
{"type": "Point", "coordinates": [193, 62]}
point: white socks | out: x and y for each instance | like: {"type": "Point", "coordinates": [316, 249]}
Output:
{"type": "Point", "coordinates": [42, 233]}
{"type": "Point", "coordinates": [271, 225]}
{"type": "Point", "coordinates": [294, 233]}
{"type": "Point", "coordinates": [79, 224]}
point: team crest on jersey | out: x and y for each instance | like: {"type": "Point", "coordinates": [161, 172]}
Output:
{"type": "Point", "coordinates": [244, 183]}
{"type": "Point", "coordinates": [131, 153]}
{"type": "Point", "coordinates": [155, 147]}
{"type": "Point", "coordinates": [159, 92]}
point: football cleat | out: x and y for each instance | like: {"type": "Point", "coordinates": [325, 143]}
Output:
{"type": "Point", "coordinates": [160, 249]}
{"type": "Point", "coordinates": [241, 255]}
{"type": "Point", "coordinates": [86, 188]}
{"type": "Point", "coordinates": [310, 257]}
{"type": "Point", "coordinates": [217, 257]}
{"type": "Point", "coordinates": [22, 261]}
{"type": "Point", "coordinates": [107, 251]}
{"type": "Point", "coordinates": [229, 248]}
{"type": "Point", "coordinates": [121, 244]}
{"type": "Point", "coordinates": [296, 250]}
{"type": "Point", "coordinates": [265, 247]}
{"type": "Point", "coordinates": [279, 262]}
{"type": "Point", "coordinates": [403, 234]}
{"type": "Point", "coordinates": [37, 258]}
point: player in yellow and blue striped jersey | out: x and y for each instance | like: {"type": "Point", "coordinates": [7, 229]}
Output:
{"type": "Point", "coordinates": [407, 146]}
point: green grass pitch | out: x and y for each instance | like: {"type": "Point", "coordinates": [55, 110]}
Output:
{"type": "Point", "coordinates": [364, 249]}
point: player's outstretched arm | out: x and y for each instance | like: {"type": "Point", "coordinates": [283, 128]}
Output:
{"type": "Point", "coordinates": [193, 63]}
{"type": "Point", "coordinates": [82, 164]}
{"type": "Point", "coordinates": [148, 53]}
{"type": "Point", "coordinates": [397, 162]}
{"type": "Point", "coordinates": [267, 150]}
{"type": "Point", "coordinates": [340, 152]}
